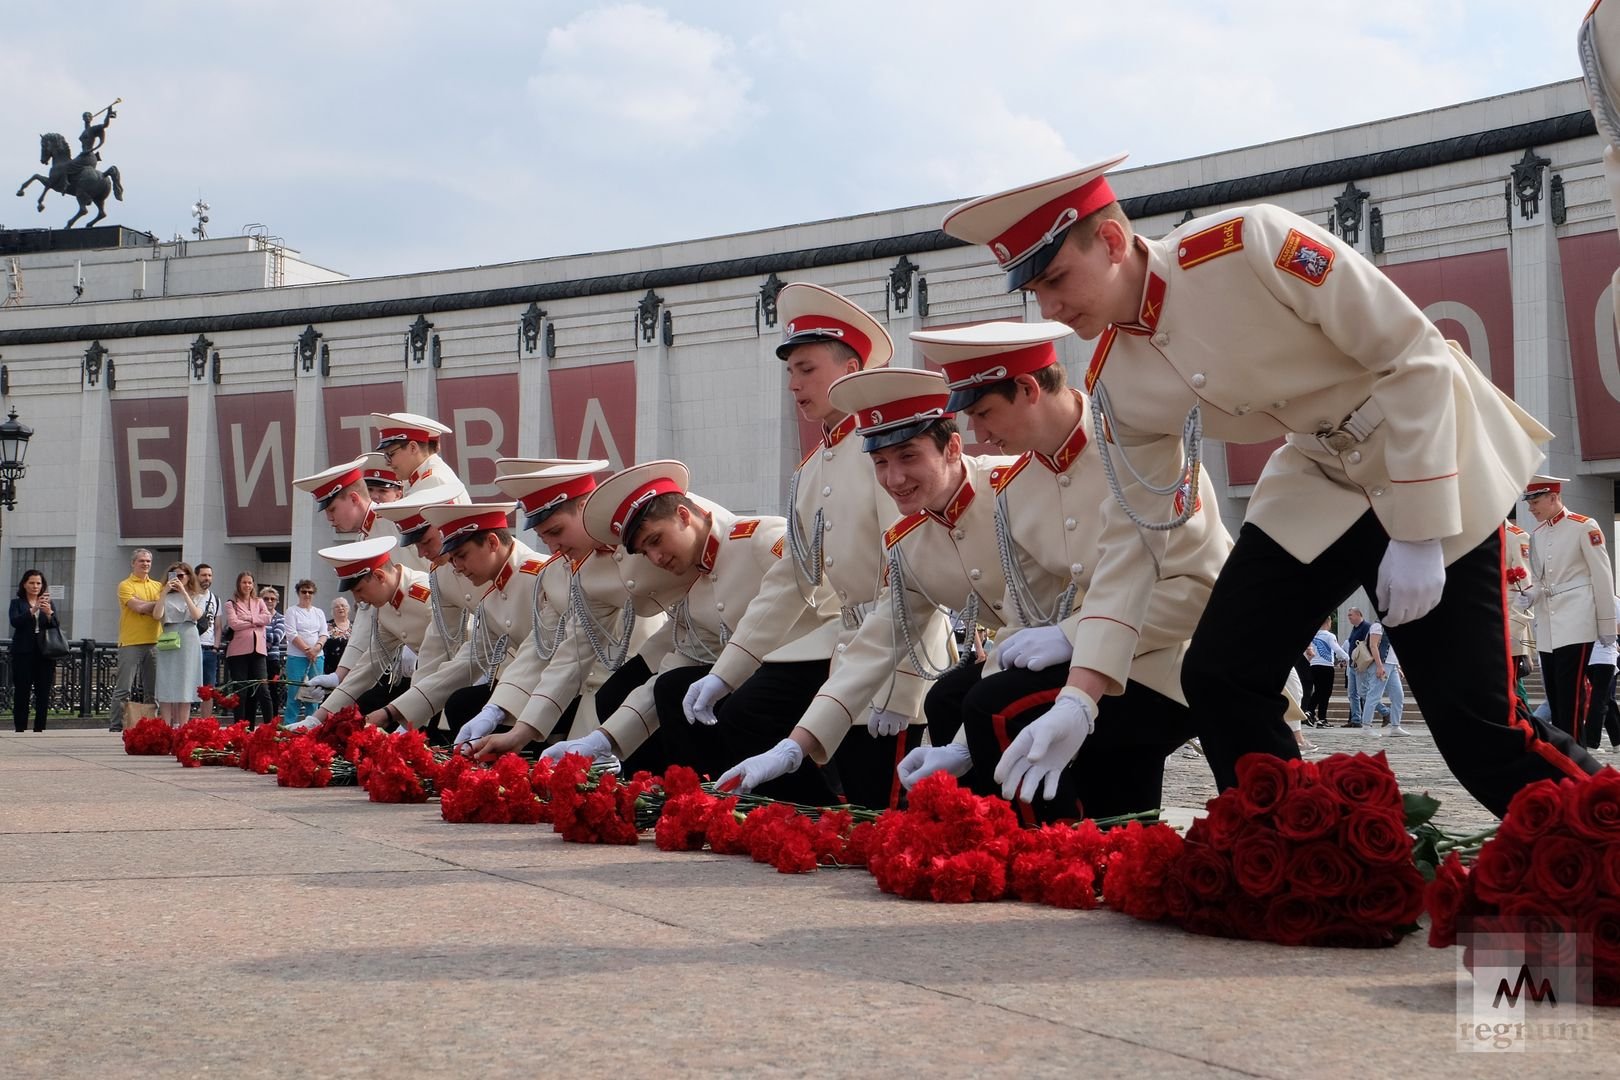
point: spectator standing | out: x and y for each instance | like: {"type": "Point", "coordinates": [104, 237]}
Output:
{"type": "Point", "coordinates": [275, 659]}
{"type": "Point", "coordinates": [1353, 677]}
{"type": "Point", "coordinates": [248, 620]}
{"type": "Point", "coordinates": [1385, 678]}
{"type": "Point", "coordinates": [32, 672]}
{"type": "Point", "coordinates": [306, 637]}
{"type": "Point", "coordinates": [1602, 712]}
{"type": "Point", "coordinates": [139, 598]}
{"type": "Point", "coordinates": [1324, 653]}
{"type": "Point", "coordinates": [208, 625]}
{"type": "Point", "coordinates": [337, 634]}
{"type": "Point", "coordinates": [179, 668]}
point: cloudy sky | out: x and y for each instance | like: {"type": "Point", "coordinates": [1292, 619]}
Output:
{"type": "Point", "coordinates": [391, 136]}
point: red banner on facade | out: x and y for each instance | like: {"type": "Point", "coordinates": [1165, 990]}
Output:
{"type": "Point", "coordinates": [349, 431]}
{"type": "Point", "coordinates": [255, 454]}
{"type": "Point", "coordinates": [149, 460]}
{"type": "Point", "coordinates": [481, 412]}
{"type": "Point", "coordinates": [593, 411]}
{"type": "Point", "coordinates": [1589, 263]}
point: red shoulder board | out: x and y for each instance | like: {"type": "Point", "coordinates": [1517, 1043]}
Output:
{"type": "Point", "coordinates": [744, 529]}
{"type": "Point", "coordinates": [1596, 538]}
{"type": "Point", "coordinates": [776, 548]}
{"type": "Point", "coordinates": [899, 529]}
{"type": "Point", "coordinates": [1573, 516]}
{"type": "Point", "coordinates": [1003, 475]}
{"type": "Point", "coordinates": [1512, 528]}
{"type": "Point", "coordinates": [1099, 357]}
{"type": "Point", "coordinates": [533, 566]}
{"type": "Point", "coordinates": [1307, 259]}
{"type": "Point", "coordinates": [1210, 243]}
{"type": "Point", "coordinates": [420, 592]}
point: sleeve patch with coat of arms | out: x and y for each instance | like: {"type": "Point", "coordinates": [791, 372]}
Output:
{"type": "Point", "coordinates": [1595, 537]}
{"type": "Point", "coordinates": [1307, 259]}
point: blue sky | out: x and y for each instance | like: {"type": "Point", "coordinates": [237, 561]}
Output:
{"type": "Point", "coordinates": [392, 137]}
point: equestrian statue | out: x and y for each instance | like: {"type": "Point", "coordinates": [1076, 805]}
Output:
{"type": "Point", "coordinates": [79, 176]}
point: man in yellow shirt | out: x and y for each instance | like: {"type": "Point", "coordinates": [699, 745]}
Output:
{"type": "Point", "coordinates": [139, 598]}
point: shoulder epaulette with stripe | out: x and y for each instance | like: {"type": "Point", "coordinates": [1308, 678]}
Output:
{"type": "Point", "coordinates": [744, 529]}
{"type": "Point", "coordinates": [1512, 528]}
{"type": "Point", "coordinates": [421, 592]}
{"type": "Point", "coordinates": [899, 529]}
{"type": "Point", "coordinates": [1002, 475]}
{"type": "Point", "coordinates": [1210, 243]}
{"type": "Point", "coordinates": [1573, 516]}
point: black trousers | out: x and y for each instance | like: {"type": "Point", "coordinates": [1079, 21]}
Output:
{"type": "Point", "coordinates": [32, 677]}
{"type": "Point", "coordinates": [1321, 685]}
{"type": "Point", "coordinates": [758, 714]}
{"type": "Point", "coordinates": [255, 698]}
{"type": "Point", "coordinates": [1604, 713]}
{"type": "Point", "coordinates": [942, 707]}
{"type": "Point", "coordinates": [1569, 695]}
{"type": "Point", "coordinates": [1265, 607]}
{"type": "Point", "coordinates": [1120, 767]}
{"type": "Point", "coordinates": [379, 695]}
{"type": "Point", "coordinates": [461, 706]}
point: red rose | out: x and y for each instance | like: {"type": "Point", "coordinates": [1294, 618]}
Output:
{"type": "Point", "coordinates": [1248, 917]}
{"type": "Point", "coordinates": [1602, 919]}
{"type": "Point", "coordinates": [1378, 836]}
{"type": "Point", "coordinates": [1322, 869]}
{"type": "Point", "coordinates": [1501, 867]}
{"type": "Point", "coordinates": [1592, 806]}
{"type": "Point", "coordinates": [1562, 868]}
{"type": "Point", "coordinates": [1206, 872]}
{"type": "Point", "coordinates": [1361, 779]}
{"type": "Point", "coordinates": [1225, 816]}
{"type": "Point", "coordinates": [1307, 813]}
{"type": "Point", "coordinates": [1536, 809]}
{"type": "Point", "coordinates": [1292, 919]}
{"type": "Point", "coordinates": [1213, 921]}
{"type": "Point", "coordinates": [1389, 899]}
{"type": "Point", "coordinates": [1609, 873]}
{"type": "Point", "coordinates": [1259, 861]}
{"type": "Point", "coordinates": [1444, 901]}
{"type": "Point", "coordinates": [1262, 781]}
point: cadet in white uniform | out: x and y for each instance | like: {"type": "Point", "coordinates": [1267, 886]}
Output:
{"type": "Point", "coordinates": [1401, 461]}
{"type": "Point", "coordinates": [1572, 595]}
{"type": "Point", "coordinates": [381, 481]}
{"type": "Point", "coordinates": [398, 598]}
{"type": "Point", "coordinates": [410, 444]}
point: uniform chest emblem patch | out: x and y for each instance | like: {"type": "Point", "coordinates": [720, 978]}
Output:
{"type": "Point", "coordinates": [1307, 259]}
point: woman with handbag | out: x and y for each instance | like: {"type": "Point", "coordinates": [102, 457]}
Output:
{"type": "Point", "coordinates": [179, 650]}
{"type": "Point", "coordinates": [36, 645]}
{"type": "Point", "coordinates": [248, 618]}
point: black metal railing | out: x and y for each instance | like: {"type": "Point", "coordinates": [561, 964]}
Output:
{"type": "Point", "coordinates": [84, 679]}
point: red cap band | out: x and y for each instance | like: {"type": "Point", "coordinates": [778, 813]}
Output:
{"type": "Point", "coordinates": [337, 484]}
{"type": "Point", "coordinates": [364, 566]}
{"type": "Point", "coordinates": [638, 498]}
{"type": "Point", "coordinates": [835, 328]}
{"type": "Point", "coordinates": [1550, 486]}
{"type": "Point", "coordinates": [904, 411]}
{"type": "Point", "coordinates": [409, 434]}
{"type": "Point", "coordinates": [981, 370]}
{"type": "Point", "coordinates": [479, 522]}
{"type": "Point", "coordinates": [557, 494]}
{"type": "Point", "coordinates": [1043, 223]}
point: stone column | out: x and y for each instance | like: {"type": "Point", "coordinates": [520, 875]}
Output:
{"type": "Point", "coordinates": [309, 529]}
{"type": "Point", "coordinates": [98, 567]}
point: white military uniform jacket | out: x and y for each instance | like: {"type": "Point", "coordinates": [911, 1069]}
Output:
{"type": "Point", "coordinates": [432, 473]}
{"type": "Point", "coordinates": [617, 591]}
{"type": "Point", "coordinates": [1521, 623]}
{"type": "Point", "coordinates": [454, 598]}
{"type": "Point", "coordinates": [548, 619]}
{"type": "Point", "coordinates": [1574, 582]}
{"type": "Point", "coordinates": [500, 627]}
{"type": "Point", "coordinates": [1052, 508]}
{"type": "Point", "coordinates": [736, 558]}
{"type": "Point", "coordinates": [397, 625]}
{"type": "Point", "coordinates": [1272, 327]}
{"type": "Point", "coordinates": [839, 509]}
{"type": "Point", "coordinates": [948, 561]}
{"type": "Point", "coordinates": [375, 525]}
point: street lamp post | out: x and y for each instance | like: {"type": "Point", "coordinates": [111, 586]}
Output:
{"type": "Point", "coordinates": [13, 453]}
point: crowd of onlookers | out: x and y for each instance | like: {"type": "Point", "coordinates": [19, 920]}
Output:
{"type": "Point", "coordinates": [176, 635]}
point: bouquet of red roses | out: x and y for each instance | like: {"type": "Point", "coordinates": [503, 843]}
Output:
{"type": "Point", "coordinates": [150, 736]}
{"type": "Point", "coordinates": [1553, 866]}
{"type": "Point", "coordinates": [1300, 854]}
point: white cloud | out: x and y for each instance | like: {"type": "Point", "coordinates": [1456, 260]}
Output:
{"type": "Point", "coordinates": [618, 80]}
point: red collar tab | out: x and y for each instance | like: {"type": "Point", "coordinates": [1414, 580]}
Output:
{"type": "Point", "coordinates": [399, 594]}
{"type": "Point", "coordinates": [421, 474]}
{"type": "Point", "coordinates": [371, 519]}
{"type": "Point", "coordinates": [501, 578]}
{"type": "Point", "coordinates": [1147, 320]}
{"type": "Point", "coordinates": [996, 367]}
{"type": "Point", "coordinates": [831, 437]}
{"type": "Point", "coordinates": [1042, 225]}
{"type": "Point", "coordinates": [1099, 357]}
{"type": "Point", "coordinates": [1556, 518]}
{"type": "Point", "coordinates": [957, 506]}
{"type": "Point", "coordinates": [554, 495]}
{"type": "Point", "coordinates": [337, 483]}
{"type": "Point", "coordinates": [710, 550]}
{"type": "Point", "coordinates": [1069, 452]}
{"type": "Point", "coordinates": [893, 414]}
{"type": "Point", "coordinates": [640, 497]}
{"type": "Point", "coordinates": [834, 328]}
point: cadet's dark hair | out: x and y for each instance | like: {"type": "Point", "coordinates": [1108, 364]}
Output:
{"type": "Point", "coordinates": [664, 506]}
{"type": "Point", "coordinates": [502, 536]}
{"type": "Point", "coordinates": [1050, 379]}
{"type": "Point", "coordinates": [939, 432]}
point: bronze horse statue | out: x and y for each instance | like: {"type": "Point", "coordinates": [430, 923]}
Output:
{"type": "Point", "coordinates": [75, 176]}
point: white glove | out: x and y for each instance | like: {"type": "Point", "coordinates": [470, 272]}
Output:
{"type": "Point", "coordinates": [925, 761]}
{"type": "Point", "coordinates": [308, 723]}
{"type": "Point", "coordinates": [701, 696]}
{"type": "Point", "coordinates": [1527, 599]}
{"type": "Point", "coordinates": [1045, 747]}
{"type": "Point", "coordinates": [595, 746]}
{"type": "Point", "coordinates": [781, 759]}
{"type": "Point", "coordinates": [325, 682]}
{"type": "Point", "coordinates": [882, 723]}
{"type": "Point", "coordinates": [483, 722]}
{"type": "Point", "coordinates": [1035, 648]}
{"type": "Point", "coordinates": [1410, 580]}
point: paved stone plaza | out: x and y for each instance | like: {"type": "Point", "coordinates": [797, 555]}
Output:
{"type": "Point", "coordinates": [161, 921]}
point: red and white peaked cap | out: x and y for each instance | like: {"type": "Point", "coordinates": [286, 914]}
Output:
{"type": "Point", "coordinates": [456, 524]}
{"type": "Point", "coordinates": [511, 466]}
{"type": "Point", "coordinates": [613, 511]}
{"type": "Point", "coordinates": [1024, 226]}
{"type": "Point", "coordinates": [977, 357]}
{"type": "Point", "coordinates": [891, 405]}
{"type": "Point", "coordinates": [540, 493]}
{"type": "Point", "coordinates": [1544, 485]}
{"type": "Point", "coordinates": [377, 471]}
{"type": "Point", "coordinates": [406, 511]}
{"type": "Point", "coordinates": [354, 561]}
{"type": "Point", "coordinates": [326, 484]}
{"type": "Point", "coordinates": [406, 427]}
{"type": "Point", "coordinates": [812, 313]}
